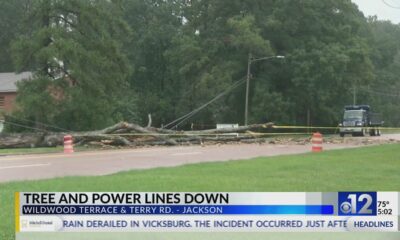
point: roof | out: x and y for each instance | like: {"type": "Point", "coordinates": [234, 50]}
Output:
{"type": "Point", "coordinates": [8, 80]}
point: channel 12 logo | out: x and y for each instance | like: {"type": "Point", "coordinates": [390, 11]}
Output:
{"type": "Point", "coordinates": [357, 204]}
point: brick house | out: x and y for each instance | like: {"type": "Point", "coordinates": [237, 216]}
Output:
{"type": "Point", "coordinates": [8, 89]}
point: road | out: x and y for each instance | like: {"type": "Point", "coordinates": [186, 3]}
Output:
{"type": "Point", "coordinates": [45, 166]}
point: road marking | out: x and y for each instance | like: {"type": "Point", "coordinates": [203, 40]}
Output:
{"type": "Point", "coordinates": [25, 166]}
{"type": "Point", "coordinates": [185, 154]}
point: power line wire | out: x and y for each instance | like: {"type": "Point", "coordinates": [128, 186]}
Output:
{"type": "Point", "coordinates": [185, 117]}
{"type": "Point", "coordinates": [210, 102]}
{"type": "Point", "coordinates": [383, 94]}
{"type": "Point", "coordinates": [182, 117]}
{"type": "Point", "coordinates": [44, 124]}
{"type": "Point", "coordinates": [390, 5]}
{"type": "Point", "coordinates": [380, 92]}
{"type": "Point", "coordinates": [23, 126]}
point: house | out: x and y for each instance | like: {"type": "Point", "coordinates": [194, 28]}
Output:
{"type": "Point", "coordinates": [8, 89]}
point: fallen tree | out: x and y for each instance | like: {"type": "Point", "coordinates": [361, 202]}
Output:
{"type": "Point", "coordinates": [130, 134]}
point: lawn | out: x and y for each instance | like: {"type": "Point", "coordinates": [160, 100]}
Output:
{"type": "Point", "coordinates": [59, 149]}
{"type": "Point", "coordinates": [370, 168]}
{"type": "Point", "coordinates": [14, 151]}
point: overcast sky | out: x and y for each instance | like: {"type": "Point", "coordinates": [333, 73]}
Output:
{"type": "Point", "coordinates": [380, 9]}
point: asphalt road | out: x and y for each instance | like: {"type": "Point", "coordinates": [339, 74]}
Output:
{"type": "Point", "coordinates": [44, 166]}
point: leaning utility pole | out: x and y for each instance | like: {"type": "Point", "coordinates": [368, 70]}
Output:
{"type": "Point", "coordinates": [246, 110]}
{"type": "Point", "coordinates": [248, 78]}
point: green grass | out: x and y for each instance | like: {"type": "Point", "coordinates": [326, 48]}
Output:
{"type": "Point", "coordinates": [14, 151]}
{"type": "Point", "coordinates": [17, 151]}
{"type": "Point", "coordinates": [370, 168]}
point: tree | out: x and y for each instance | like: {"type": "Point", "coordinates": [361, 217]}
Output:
{"type": "Point", "coordinates": [184, 53]}
{"type": "Point", "coordinates": [210, 55]}
{"type": "Point", "coordinates": [326, 54]}
{"type": "Point", "coordinates": [192, 51]}
{"type": "Point", "coordinates": [10, 14]}
{"type": "Point", "coordinates": [74, 49]}
{"type": "Point", "coordinates": [155, 23]}
{"type": "Point", "coordinates": [383, 92]}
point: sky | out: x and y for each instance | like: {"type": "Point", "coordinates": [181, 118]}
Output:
{"type": "Point", "coordinates": [380, 9]}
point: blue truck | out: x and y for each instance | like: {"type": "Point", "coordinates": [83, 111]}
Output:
{"type": "Point", "coordinates": [359, 120]}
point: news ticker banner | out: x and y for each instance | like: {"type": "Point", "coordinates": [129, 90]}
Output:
{"type": "Point", "coordinates": [206, 212]}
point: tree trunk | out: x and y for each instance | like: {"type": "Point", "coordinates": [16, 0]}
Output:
{"type": "Point", "coordinates": [129, 134]}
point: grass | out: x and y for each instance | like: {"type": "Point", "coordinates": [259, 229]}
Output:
{"type": "Point", "coordinates": [59, 149]}
{"type": "Point", "coordinates": [370, 168]}
{"type": "Point", "coordinates": [14, 151]}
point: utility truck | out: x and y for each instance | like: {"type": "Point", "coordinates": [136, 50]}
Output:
{"type": "Point", "coordinates": [359, 120]}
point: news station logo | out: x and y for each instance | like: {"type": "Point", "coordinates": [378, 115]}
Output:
{"type": "Point", "coordinates": [357, 203]}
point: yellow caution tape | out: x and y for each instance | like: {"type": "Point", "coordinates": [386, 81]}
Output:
{"type": "Point", "coordinates": [302, 127]}
{"type": "Point", "coordinates": [310, 127]}
{"type": "Point", "coordinates": [208, 134]}
{"type": "Point", "coordinates": [251, 133]}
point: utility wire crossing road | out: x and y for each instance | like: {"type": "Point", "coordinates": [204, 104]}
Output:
{"type": "Point", "coordinates": [44, 166]}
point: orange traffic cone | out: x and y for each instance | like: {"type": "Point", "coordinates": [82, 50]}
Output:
{"type": "Point", "coordinates": [316, 141]}
{"type": "Point", "coordinates": [68, 145]}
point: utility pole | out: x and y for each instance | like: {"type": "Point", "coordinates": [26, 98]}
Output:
{"type": "Point", "coordinates": [354, 95]}
{"type": "Point", "coordinates": [308, 119]}
{"type": "Point", "coordinates": [246, 110]}
{"type": "Point", "coordinates": [248, 78]}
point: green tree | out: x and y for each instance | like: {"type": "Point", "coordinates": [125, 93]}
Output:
{"type": "Point", "coordinates": [211, 54]}
{"type": "Point", "coordinates": [74, 49]}
{"type": "Point", "coordinates": [191, 51]}
{"type": "Point", "coordinates": [383, 92]}
{"type": "Point", "coordinates": [154, 23]}
{"type": "Point", "coordinates": [10, 14]}
{"type": "Point", "coordinates": [326, 54]}
{"type": "Point", "coordinates": [184, 53]}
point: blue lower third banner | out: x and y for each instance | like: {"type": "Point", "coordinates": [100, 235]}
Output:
{"type": "Point", "coordinates": [180, 209]}
{"type": "Point", "coordinates": [206, 212]}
